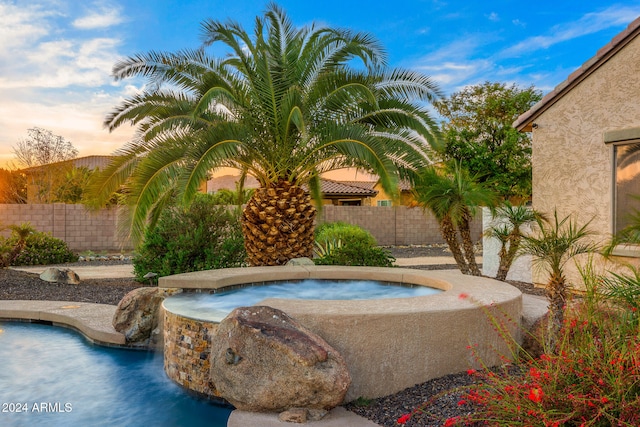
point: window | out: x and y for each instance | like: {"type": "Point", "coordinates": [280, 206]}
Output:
{"type": "Point", "coordinates": [384, 203]}
{"type": "Point", "coordinates": [627, 183]}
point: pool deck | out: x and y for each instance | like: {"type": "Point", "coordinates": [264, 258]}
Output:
{"type": "Point", "coordinates": [94, 321]}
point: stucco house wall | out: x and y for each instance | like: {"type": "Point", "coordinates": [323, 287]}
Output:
{"type": "Point", "coordinates": [572, 164]}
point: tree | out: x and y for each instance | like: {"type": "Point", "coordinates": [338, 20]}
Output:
{"type": "Point", "coordinates": [509, 233]}
{"type": "Point", "coordinates": [453, 196]}
{"type": "Point", "coordinates": [284, 106]}
{"type": "Point", "coordinates": [478, 133]}
{"type": "Point", "coordinates": [13, 187]}
{"type": "Point", "coordinates": [73, 187]}
{"type": "Point", "coordinates": [552, 247]}
{"type": "Point", "coordinates": [46, 159]}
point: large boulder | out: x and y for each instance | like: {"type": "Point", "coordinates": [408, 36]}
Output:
{"type": "Point", "coordinates": [137, 315]}
{"type": "Point", "coordinates": [262, 360]}
{"type": "Point", "coordinates": [60, 275]}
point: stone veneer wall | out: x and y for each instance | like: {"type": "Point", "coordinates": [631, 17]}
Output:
{"type": "Point", "coordinates": [186, 354]}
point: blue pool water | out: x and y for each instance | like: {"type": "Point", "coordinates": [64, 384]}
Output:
{"type": "Point", "coordinates": [215, 307]}
{"type": "Point", "coordinates": [51, 376]}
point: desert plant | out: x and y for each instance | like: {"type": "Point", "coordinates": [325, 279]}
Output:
{"type": "Point", "coordinates": [453, 196]}
{"type": "Point", "coordinates": [201, 237]}
{"type": "Point", "coordinates": [26, 246]}
{"type": "Point", "coordinates": [284, 105]}
{"type": "Point", "coordinates": [357, 253]}
{"type": "Point", "coordinates": [591, 380]}
{"type": "Point", "coordinates": [555, 243]}
{"type": "Point", "coordinates": [509, 233]}
{"type": "Point", "coordinates": [346, 233]}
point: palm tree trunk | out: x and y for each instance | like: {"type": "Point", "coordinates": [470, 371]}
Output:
{"type": "Point", "coordinates": [451, 237]}
{"type": "Point", "coordinates": [507, 260]}
{"type": "Point", "coordinates": [503, 267]}
{"type": "Point", "coordinates": [278, 224]}
{"type": "Point", "coordinates": [467, 244]}
{"type": "Point", "coordinates": [557, 295]}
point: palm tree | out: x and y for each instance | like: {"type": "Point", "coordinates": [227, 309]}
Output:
{"type": "Point", "coordinates": [284, 106]}
{"type": "Point", "coordinates": [552, 247]}
{"type": "Point", "coordinates": [453, 196]}
{"type": "Point", "coordinates": [509, 234]}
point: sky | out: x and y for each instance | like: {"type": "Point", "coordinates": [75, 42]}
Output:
{"type": "Point", "coordinates": [56, 56]}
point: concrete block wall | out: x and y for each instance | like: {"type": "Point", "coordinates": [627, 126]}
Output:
{"type": "Point", "coordinates": [80, 228]}
{"type": "Point", "coordinates": [98, 230]}
{"type": "Point", "coordinates": [397, 225]}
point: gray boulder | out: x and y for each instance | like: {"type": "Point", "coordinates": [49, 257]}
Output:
{"type": "Point", "coordinates": [137, 315]}
{"type": "Point", "coordinates": [262, 360]}
{"type": "Point", "coordinates": [300, 261]}
{"type": "Point", "coordinates": [60, 275]}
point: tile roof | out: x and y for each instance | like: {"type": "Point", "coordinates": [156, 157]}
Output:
{"type": "Point", "coordinates": [89, 162]}
{"type": "Point", "coordinates": [525, 121]}
{"type": "Point", "coordinates": [345, 188]}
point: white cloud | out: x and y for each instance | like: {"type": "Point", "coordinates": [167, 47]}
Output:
{"type": "Point", "coordinates": [493, 17]}
{"type": "Point", "coordinates": [55, 77]}
{"type": "Point", "coordinates": [590, 23]}
{"type": "Point", "coordinates": [106, 16]}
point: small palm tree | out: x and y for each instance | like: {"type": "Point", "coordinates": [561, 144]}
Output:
{"type": "Point", "coordinates": [509, 233]}
{"type": "Point", "coordinates": [284, 106]}
{"type": "Point", "coordinates": [453, 197]}
{"type": "Point", "coordinates": [552, 247]}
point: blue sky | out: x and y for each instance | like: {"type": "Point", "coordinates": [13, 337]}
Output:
{"type": "Point", "coordinates": [56, 55]}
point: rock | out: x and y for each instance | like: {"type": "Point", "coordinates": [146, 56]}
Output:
{"type": "Point", "coordinates": [137, 315]}
{"type": "Point", "coordinates": [60, 275]}
{"type": "Point", "coordinates": [262, 360]}
{"type": "Point", "coordinates": [300, 261]}
{"type": "Point", "coordinates": [293, 415]}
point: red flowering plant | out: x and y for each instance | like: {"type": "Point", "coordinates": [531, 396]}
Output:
{"type": "Point", "coordinates": [590, 378]}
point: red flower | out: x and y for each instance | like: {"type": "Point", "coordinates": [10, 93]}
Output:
{"type": "Point", "coordinates": [464, 402]}
{"type": "Point", "coordinates": [604, 399]}
{"type": "Point", "coordinates": [450, 422]}
{"type": "Point", "coordinates": [403, 419]}
{"type": "Point", "coordinates": [471, 371]}
{"type": "Point", "coordinates": [535, 395]}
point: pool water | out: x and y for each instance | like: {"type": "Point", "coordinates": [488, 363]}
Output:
{"type": "Point", "coordinates": [215, 307]}
{"type": "Point", "coordinates": [51, 376]}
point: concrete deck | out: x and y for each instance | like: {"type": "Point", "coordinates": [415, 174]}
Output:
{"type": "Point", "coordinates": [92, 320]}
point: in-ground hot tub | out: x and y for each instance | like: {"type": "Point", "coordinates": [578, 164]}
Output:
{"type": "Point", "coordinates": [388, 344]}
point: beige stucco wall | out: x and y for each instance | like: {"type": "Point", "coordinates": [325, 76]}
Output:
{"type": "Point", "coordinates": [572, 166]}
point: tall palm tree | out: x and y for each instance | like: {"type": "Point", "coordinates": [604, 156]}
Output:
{"type": "Point", "coordinates": [552, 247]}
{"type": "Point", "coordinates": [284, 106]}
{"type": "Point", "coordinates": [509, 233]}
{"type": "Point", "coordinates": [453, 196]}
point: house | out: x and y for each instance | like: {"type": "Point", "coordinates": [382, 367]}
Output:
{"type": "Point", "coordinates": [340, 193]}
{"type": "Point", "coordinates": [42, 181]}
{"type": "Point", "coordinates": [586, 139]}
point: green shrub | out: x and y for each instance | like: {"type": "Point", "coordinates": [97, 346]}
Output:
{"type": "Point", "coordinates": [357, 254]}
{"type": "Point", "coordinates": [203, 237]}
{"type": "Point", "coordinates": [41, 249]}
{"type": "Point", "coordinates": [347, 233]}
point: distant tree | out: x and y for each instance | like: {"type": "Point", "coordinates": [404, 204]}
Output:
{"type": "Point", "coordinates": [72, 188]}
{"type": "Point", "coordinates": [479, 133]}
{"type": "Point", "coordinates": [45, 159]}
{"type": "Point", "coordinates": [13, 187]}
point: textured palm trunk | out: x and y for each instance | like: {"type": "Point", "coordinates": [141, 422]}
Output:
{"type": "Point", "coordinates": [451, 237]}
{"type": "Point", "coordinates": [557, 295]}
{"type": "Point", "coordinates": [278, 224]}
{"type": "Point", "coordinates": [507, 257]}
{"type": "Point", "coordinates": [467, 244]}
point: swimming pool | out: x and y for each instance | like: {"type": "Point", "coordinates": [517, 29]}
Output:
{"type": "Point", "coordinates": [52, 376]}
